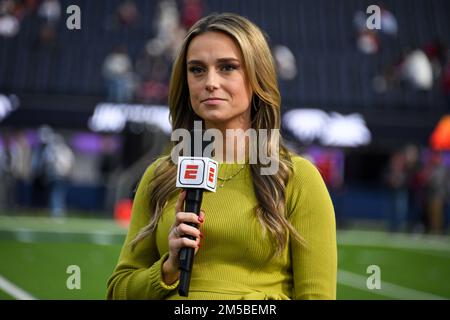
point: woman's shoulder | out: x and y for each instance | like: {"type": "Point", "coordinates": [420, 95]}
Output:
{"type": "Point", "coordinates": [300, 163]}
{"type": "Point", "coordinates": [304, 169]}
{"type": "Point", "coordinates": [150, 170]}
{"type": "Point", "coordinates": [305, 184]}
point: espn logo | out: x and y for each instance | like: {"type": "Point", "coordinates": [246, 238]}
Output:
{"type": "Point", "coordinates": [197, 172]}
{"type": "Point", "coordinates": [191, 172]}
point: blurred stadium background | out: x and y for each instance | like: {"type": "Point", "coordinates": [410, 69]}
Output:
{"type": "Point", "coordinates": [83, 113]}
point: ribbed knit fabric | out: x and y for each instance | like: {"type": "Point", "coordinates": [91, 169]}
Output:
{"type": "Point", "coordinates": [236, 260]}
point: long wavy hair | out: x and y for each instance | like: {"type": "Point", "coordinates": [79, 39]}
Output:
{"type": "Point", "coordinates": [265, 114]}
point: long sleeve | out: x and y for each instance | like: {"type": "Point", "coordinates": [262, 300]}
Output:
{"type": "Point", "coordinates": [311, 212]}
{"type": "Point", "coordinates": [138, 273]}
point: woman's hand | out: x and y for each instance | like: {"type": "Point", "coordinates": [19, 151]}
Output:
{"type": "Point", "coordinates": [179, 229]}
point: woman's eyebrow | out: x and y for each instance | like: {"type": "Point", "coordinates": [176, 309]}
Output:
{"type": "Point", "coordinates": [218, 60]}
{"type": "Point", "coordinates": [227, 60]}
{"type": "Point", "coordinates": [195, 62]}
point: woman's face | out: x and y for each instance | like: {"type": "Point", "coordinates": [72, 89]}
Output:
{"type": "Point", "coordinates": [219, 91]}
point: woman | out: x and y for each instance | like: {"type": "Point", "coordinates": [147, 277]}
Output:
{"type": "Point", "coordinates": [260, 236]}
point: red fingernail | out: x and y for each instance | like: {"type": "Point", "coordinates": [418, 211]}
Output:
{"type": "Point", "coordinates": [201, 235]}
{"type": "Point", "coordinates": [199, 245]}
{"type": "Point", "coordinates": [200, 219]}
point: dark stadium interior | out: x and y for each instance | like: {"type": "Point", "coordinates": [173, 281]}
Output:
{"type": "Point", "coordinates": [59, 83]}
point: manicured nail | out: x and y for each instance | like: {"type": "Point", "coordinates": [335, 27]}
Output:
{"type": "Point", "coordinates": [200, 219]}
{"type": "Point", "coordinates": [201, 235]}
{"type": "Point", "coordinates": [199, 245]}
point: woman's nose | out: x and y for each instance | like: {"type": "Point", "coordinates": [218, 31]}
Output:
{"type": "Point", "coordinates": [211, 81]}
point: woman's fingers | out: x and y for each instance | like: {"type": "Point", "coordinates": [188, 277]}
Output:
{"type": "Point", "coordinates": [186, 230]}
{"type": "Point", "coordinates": [201, 216]}
{"type": "Point", "coordinates": [186, 242]}
{"type": "Point", "coordinates": [188, 217]}
{"type": "Point", "coordinates": [186, 224]}
{"type": "Point", "coordinates": [182, 216]}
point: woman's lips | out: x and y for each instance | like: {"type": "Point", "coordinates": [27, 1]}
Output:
{"type": "Point", "coordinates": [213, 101]}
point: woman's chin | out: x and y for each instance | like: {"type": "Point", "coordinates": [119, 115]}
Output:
{"type": "Point", "coordinates": [213, 117]}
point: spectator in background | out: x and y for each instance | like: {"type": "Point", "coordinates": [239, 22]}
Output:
{"type": "Point", "coordinates": [389, 23]}
{"type": "Point", "coordinates": [397, 181]}
{"type": "Point", "coordinates": [369, 41]}
{"type": "Point", "coordinates": [285, 62]}
{"type": "Point", "coordinates": [436, 51]}
{"type": "Point", "coordinates": [407, 197]}
{"type": "Point", "coordinates": [414, 187]}
{"type": "Point", "coordinates": [153, 65]}
{"type": "Point", "coordinates": [436, 177]}
{"type": "Point", "coordinates": [192, 10]}
{"type": "Point", "coordinates": [16, 156]}
{"type": "Point", "coordinates": [52, 165]}
{"type": "Point", "coordinates": [21, 154]}
{"type": "Point", "coordinates": [7, 181]}
{"type": "Point", "coordinates": [413, 70]}
{"type": "Point", "coordinates": [169, 32]}
{"type": "Point", "coordinates": [38, 173]}
{"type": "Point", "coordinates": [285, 65]}
{"type": "Point", "coordinates": [110, 169]}
{"type": "Point", "coordinates": [127, 14]}
{"type": "Point", "coordinates": [62, 158]}
{"type": "Point", "coordinates": [416, 70]}
{"type": "Point", "coordinates": [9, 23]}
{"type": "Point", "coordinates": [117, 70]}
{"type": "Point", "coordinates": [153, 70]}
{"type": "Point", "coordinates": [50, 12]}
{"type": "Point", "coordinates": [25, 7]}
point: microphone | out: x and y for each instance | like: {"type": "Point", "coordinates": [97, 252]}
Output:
{"type": "Point", "coordinates": [195, 174]}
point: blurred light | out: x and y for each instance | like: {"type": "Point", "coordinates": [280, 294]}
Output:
{"type": "Point", "coordinates": [389, 23]}
{"type": "Point", "coordinates": [110, 117]}
{"type": "Point", "coordinates": [417, 69]}
{"type": "Point", "coordinates": [122, 212]}
{"type": "Point", "coordinates": [7, 105]}
{"type": "Point", "coordinates": [440, 138]}
{"type": "Point", "coordinates": [346, 131]}
{"type": "Point", "coordinates": [9, 26]}
{"type": "Point", "coordinates": [87, 142]}
{"type": "Point", "coordinates": [306, 124]}
{"type": "Point", "coordinates": [367, 42]}
{"type": "Point", "coordinates": [331, 130]}
{"type": "Point", "coordinates": [285, 59]}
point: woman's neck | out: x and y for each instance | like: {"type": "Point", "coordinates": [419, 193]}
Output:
{"type": "Point", "coordinates": [234, 145]}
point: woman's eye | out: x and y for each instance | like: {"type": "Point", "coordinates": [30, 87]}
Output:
{"type": "Point", "coordinates": [195, 70]}
{"type": "Point", "coordinates": [228, 67]}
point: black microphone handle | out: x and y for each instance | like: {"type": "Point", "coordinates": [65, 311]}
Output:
{"type": "Point", "coordinates": [193, 203]}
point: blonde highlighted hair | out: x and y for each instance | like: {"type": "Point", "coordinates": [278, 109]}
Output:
{"type": "Point", "coordinates": [266, 101]}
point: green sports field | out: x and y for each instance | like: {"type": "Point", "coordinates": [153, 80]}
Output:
{"type": "Point", "coordinates": [35, 253]}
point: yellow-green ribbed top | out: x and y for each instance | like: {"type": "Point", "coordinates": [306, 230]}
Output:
{"type": "Point", "coordinates": [236, 260]}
